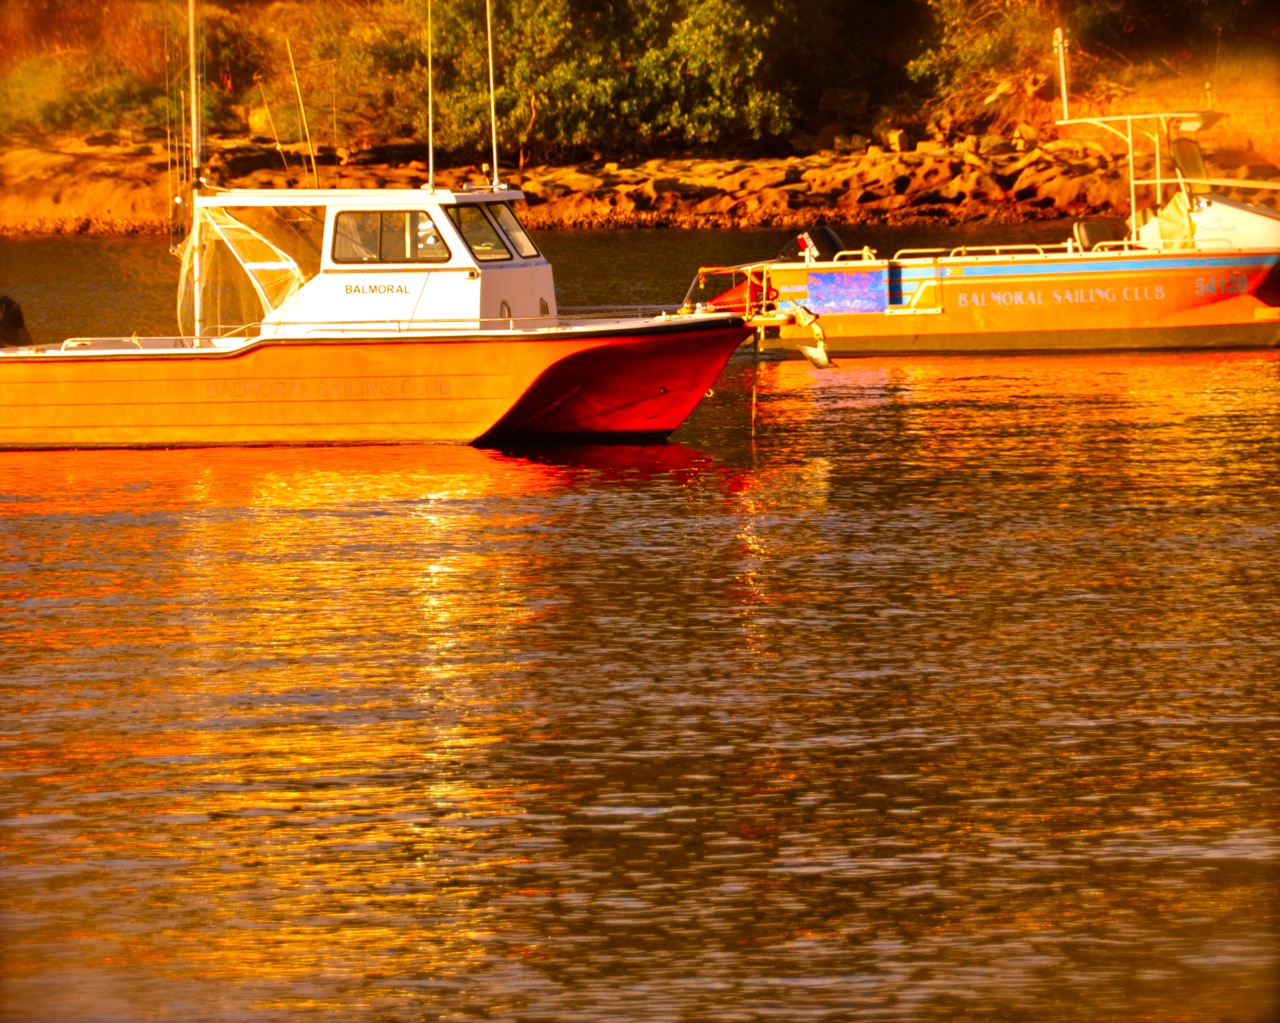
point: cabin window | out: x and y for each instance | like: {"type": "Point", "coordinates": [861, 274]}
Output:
{"type": "Point", "coordinates": [387, 236]}
{"type": "Point", "coordinates": [478, 231]}
{"type": "Point", "coordinates": [513, 229]}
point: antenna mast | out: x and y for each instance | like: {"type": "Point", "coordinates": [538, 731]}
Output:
{"type": "Point", "coordinates": [194, 74]}
{"type": "Point", "coordinates": [197, 277]}
{"type": "Point", "coordinates": [431, 128]}
{"type": "Point", "coordinates": [302, 114]}
{"type": "Point", "coordinates": [493, 116]}
{"type": "Point", "coordinates": [1060, 48]}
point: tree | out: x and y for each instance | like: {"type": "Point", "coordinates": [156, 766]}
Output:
{"type": "Point", "coordinates": [577, 74]}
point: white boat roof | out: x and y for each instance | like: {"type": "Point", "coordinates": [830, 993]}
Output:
{"type": "Point", "coordinates": [375, 198]}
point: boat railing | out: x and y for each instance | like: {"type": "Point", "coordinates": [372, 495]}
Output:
{"type": "Point", "coordinates": [737, 268]}
{"type": "Point", "coordinates": [1120, 245]}
{"type": "Point", "coordinates": [130, 343]}
{"type": "Point", "coordinates": [100, 342]}
{"type": "Point", "coordinates": [101, 345]}
{"type": "Point", "coordinates": [849, 255]}
{"type": "Point", "coordinates": [1023, 249]}
{"type": "Point", "coordinates": [441, 325]}
{"type": "Point", "coordinates": [919, 253]}
{"type": "Point", "coordinates": [246, 334]}
{"type": "Point", "coordinates": [1165, 245]}
{"type": "Point", "coordinates": [577, 312]}
{"type": "Point", "coordinates": [755, 301]}
{"type": "Point", "coordinates": [1244, 183]}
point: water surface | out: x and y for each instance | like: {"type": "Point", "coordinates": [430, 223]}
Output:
{"type": "Point", "coordinates": [916, 689]}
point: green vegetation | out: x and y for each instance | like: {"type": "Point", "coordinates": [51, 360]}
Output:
{"type": "Point", "coordinates": [75, 65]}
{"type": "Point", "coordinates": [625, 77]}
{"type": "Point", "coordinates": [988, 61]}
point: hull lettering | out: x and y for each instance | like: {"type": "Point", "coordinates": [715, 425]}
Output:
{"type": "Point", "coordinates": [355, 388]}
{"type": "Point", "coordinates": [377, 289]}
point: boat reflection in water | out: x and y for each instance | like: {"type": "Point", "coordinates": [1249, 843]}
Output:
{"type": "Point", "coordinates": [945, 694]}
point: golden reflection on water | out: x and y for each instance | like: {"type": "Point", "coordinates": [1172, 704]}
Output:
{"type": "Point", "coordinates": [217, 553]}
{"type": "Point", "coordinates": [948, 694]}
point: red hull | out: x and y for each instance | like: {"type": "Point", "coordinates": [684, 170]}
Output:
{"type": "Point", "coordinates": [643, 389]}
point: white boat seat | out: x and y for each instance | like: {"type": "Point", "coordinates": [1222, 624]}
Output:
{"type": "Point", "coordinates": [1188, 158]}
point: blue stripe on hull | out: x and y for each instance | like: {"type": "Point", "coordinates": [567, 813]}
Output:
{"type": "Point", "coordinates": [1106, 266]}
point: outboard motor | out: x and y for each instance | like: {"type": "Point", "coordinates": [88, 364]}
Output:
{"type": "Point", "coordinates": [818, 243]}
{"type": "Point", "coordinates": [13, 328]}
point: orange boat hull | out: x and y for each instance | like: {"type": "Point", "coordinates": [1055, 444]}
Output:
{"type": "Point", "coordinates": [363, 391]}
{"type": "Point", "coordinates": [1080, 302]}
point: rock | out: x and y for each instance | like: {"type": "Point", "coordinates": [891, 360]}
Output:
{"type": "Point", "coordinates": [851, 143]}
{"type": "Point", "coordinates": [68, 186]}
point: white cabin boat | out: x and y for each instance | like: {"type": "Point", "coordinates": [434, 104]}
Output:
{"type": "Point", "coordinates": [360, 316]}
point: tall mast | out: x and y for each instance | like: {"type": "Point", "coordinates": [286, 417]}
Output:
{"type": "Point", "coordinates": [1060, 49]}
{"type": "Point", "coordinates": [194, 74]}
{"type": "Point", "coordinates": [197, 306]}
{"type": "Point", "coordinates": [493, 115]}
{"type": "Point", "coordinates": [430, 105]}
{"type": "Point", "coordinates": [302, 114]}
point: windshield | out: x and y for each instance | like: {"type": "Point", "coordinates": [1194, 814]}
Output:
{"type": "Point", "coordinates": [479, 233]}
{"type": "Point", "coordinates": [506, 218]}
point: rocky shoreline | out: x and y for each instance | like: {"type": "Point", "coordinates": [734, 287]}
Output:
{"type": "Point", "coordinates": [117, 185]}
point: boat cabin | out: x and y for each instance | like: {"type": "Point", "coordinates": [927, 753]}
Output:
{"type": "Point", "coordinates": [338, 262]}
